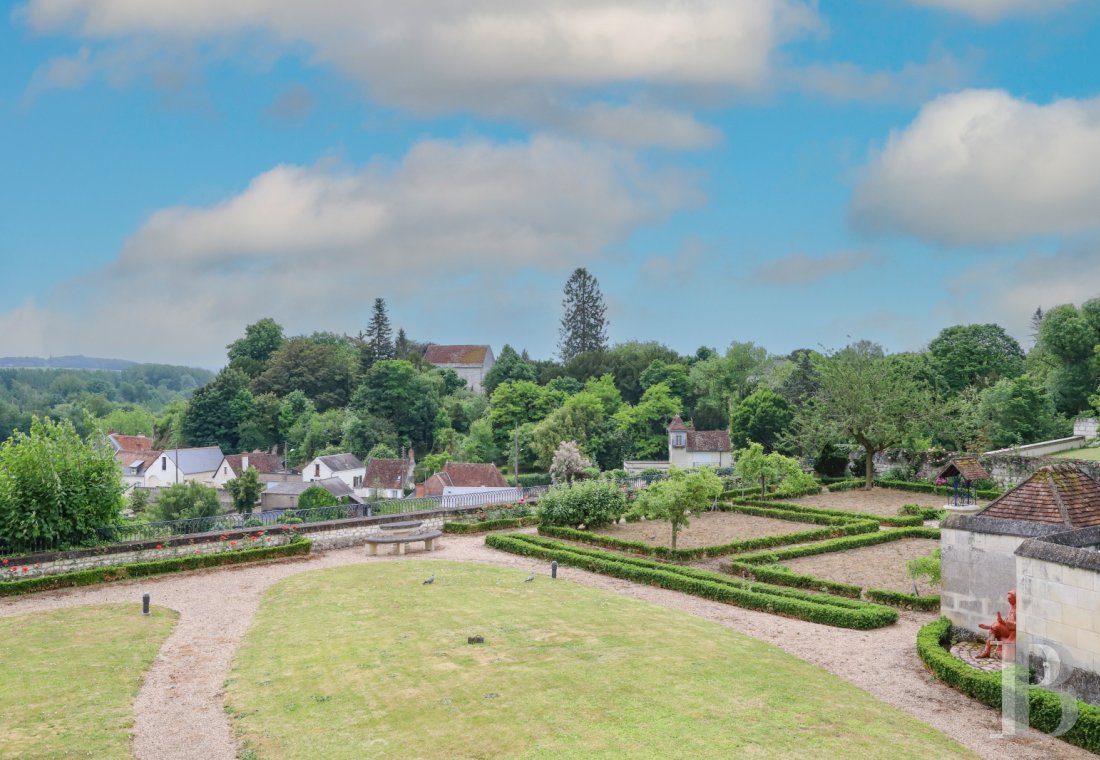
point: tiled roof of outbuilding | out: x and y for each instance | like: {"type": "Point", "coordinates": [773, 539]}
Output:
{"type": "Point", "coordinates": [456, 354]}
{"type": "Point", "coordinates": [708, 440]}
{"type": "Point", "coordinates": [1062, 494]}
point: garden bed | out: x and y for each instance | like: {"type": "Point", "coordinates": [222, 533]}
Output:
{"type": "Point", "coordinates": [880, 501]}
{"type": "Point", "coordinates": [881, 566]}
{"type": "Point", "coordinates": [707, 529]}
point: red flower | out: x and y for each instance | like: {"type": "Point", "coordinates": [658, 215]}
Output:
{"type": "Point", "coordinates": [232, 543]}
{"type": "Point", "coordinates": [25, 569]}
{"type": "Point", "coordinates": [5, 562]}
{"type": "Point", "coordinates": [159, 546]}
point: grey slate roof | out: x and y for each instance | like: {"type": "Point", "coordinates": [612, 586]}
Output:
{"type": "Point", "coordinates": [334, 486]}
{"type": "Point", "coordinates": [205, 459]}
{"type": "Point", "coordinates": [341, 462]}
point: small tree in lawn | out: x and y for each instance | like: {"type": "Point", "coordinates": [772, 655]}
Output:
{"type": "Point", "coordinates": [568, 463]}
{"type": "Point", "coordinates": [676, 498]}
{"type": "Point", "coordinates": [245, 490]}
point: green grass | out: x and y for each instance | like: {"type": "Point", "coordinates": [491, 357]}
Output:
{"type": "Point", "coordinates": [366, 662]}
{"type": "Point", "coordinates": [1092, 453]}
{"type": "Point", "coordinates": [70, 677]}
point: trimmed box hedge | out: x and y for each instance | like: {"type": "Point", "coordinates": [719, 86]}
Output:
{"type": "Point", "coordinates": [929, 603]}
{"type": "Point", "coordinates": [1044, 706]}
{"type": "Point", "coordinates": [487, 525]}
{"type": "Point", "coordinates": [782, 576]}
{"type": "Point", "coordinates": [894, 521]}
{"type": "Point", "coordinates": [839, 544]}
{"type": "Point", "coordinates": [111, 573]}
{"type": "Point", "coordinates": [817, 608]}
{"type": "Point", "coordinates": [778, 512]}
{"type": "Point", "coordinates": [735, 547]}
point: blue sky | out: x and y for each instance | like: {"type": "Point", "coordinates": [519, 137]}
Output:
{"type": "Point", "coordinates": [781, 171]}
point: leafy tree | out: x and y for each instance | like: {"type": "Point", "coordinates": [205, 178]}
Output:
{"type": "Point", "coordinates": [763, 416]}
{"type": "Point", "coordinates": [975, 354]}
{"type": "Point", "coordinates": [322, 367]}
{"type": "Point", "coordinates": [131, 420]}
{"type": "Point", "coordinates": [804, 380]}
{"type": "Point", "coordinates": [509, 367]}
{"type": "Point", "coordinates": [393, 390]}
{"type": "Point", "coordinates": [364, 432]}
{"type": "Point", "coordinates": [402, 347]}
{"type": "Point", "coordinates": [480, 444]}
{"type": "Point", "coordinates": [674, 375]}
{"type": "Point", "coordinates": [584, 322]}
{"type": "Point", "coordinates": [138, 501]}
{"type": "Point", "coordinates": [675, 499]}
{"type": "Point", "coordinates": [185, 501]}
{"type": "Point", "coordinates": [866, 399]}
{"type": "Point", "coordinates": [168, 429]}
{"type": "Point", "coordinates": [378, 342]}
{"type": "Point", "coordinates": [646, 424]}
{"type": "Point", "coordinates": [216, 411]}
{"type": "Point", "coordinates": [245, 490]}
{"type": "Point", "coordinates": [382, 451]}
{"type": "Point", "coordinates": [567, 385]}
{"type": "Point", "coordinates": [568, 463]}
{"type": "Point", "coordinates": [604, 388]}
{"type": "Point", "coordinates": [517, 402]}
{"type": "Point", "coordinates": [580, 420]}
{"type": "Point", "coordinates": [628, 361]}
{"type": "Point", "coordinates": [316, 496]}
{"type": "Point", "coordinates": [251, 353]}
{"type": "Point", "coordinates": [260, 429]}
{"type": "Point", "coordinates": [1017, 411]}
{"type": "Point", "coordinates": [55, 486]}
{"type": "Point", "coordinates": [592, 503]}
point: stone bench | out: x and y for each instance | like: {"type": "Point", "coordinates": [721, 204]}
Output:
{"type": "Point", "coordinates": [400, 542]}
{"type": "Point", "coordinates": [400, 528]}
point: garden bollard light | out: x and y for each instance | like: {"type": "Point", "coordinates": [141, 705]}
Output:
{"type": "Point", "coordinates": [144, 604]}
{"type": "Point", "coordinates": [554, 569]}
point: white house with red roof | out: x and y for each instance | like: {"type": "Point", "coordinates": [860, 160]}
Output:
{"type": "Point", "coordinates": [471, 363]}
{"type": "Point", "coordinates": [688, 447]}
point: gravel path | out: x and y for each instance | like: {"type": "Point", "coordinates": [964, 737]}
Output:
{"type": "Point", "coordinates": [179, 713]}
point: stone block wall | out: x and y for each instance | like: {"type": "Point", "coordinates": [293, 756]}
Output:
{"type": "Point", "coordinates": [1061, 604]}
{"type": "Point", "coordinates": [978, 571]}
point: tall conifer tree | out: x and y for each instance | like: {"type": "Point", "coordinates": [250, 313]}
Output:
{"type": "Point", "coordinates": [584, 324]}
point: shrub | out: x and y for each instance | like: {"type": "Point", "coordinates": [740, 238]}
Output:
{"type": "Point", "coordinates": [797, 484]}
{"type": "Point", "coordinates": [901, 521]}
{"type": "Point", "coordinates": [831, 462]}
{"type": "Point", "coordinates": [253, 523]}
{"type": "Point", "coordinates": [591, 502]}
{"type": "Point", "coordinates": [487, 525]}
{"type": "Point", "coordinates": [316, 496]}
{"type": "Point", "coordinates": [829, 610]}
{"type": "Point", "coordinates": [55, 486]}
{"type": "Point", "coordinates": [1045, 707]}
{"type": "Point", "coordinates": [905, 601]}
{"type": "Point", "coordinates": [186, 501]}
{"type": "Point", "coordinates": [839, 544]}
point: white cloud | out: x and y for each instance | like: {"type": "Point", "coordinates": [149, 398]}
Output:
{"type": "Point", "coordinates": [912, 83]}
{"type": "Point", "coordinates": [981, 167]}
{"type": "Point", "coordinates": [485, 56]}
{"type": "Point", "coordinates": [992, 10]}
{"type": "Point", "coordinates": [801, 269]}
{"type": "Point", "coordinates": [313, 245]}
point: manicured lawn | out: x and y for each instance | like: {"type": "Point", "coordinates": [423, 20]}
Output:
{"type": "Point", "coordinates": [366, 662]}
{"type": "Point", "coordinates": [1092, 453]}
{"type": "Point", "coordinates": [70, 677]}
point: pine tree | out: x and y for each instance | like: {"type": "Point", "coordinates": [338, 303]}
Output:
{"type": "Point", "coordinates": [378, 340]}
{"type": "Point", "coordinates": [584, 324]}
{"type": "Point", "coordinates": [1036, 321]}
{"type": "Point", "coordinates": [401, 346]}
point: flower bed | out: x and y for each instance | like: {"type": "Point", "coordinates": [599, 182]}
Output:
{"type": "Point", "coordinates": [24, 582]}
{"type": "Point", "coordinates": [817, 608]}
{"type": "Point", "coordinates": [1044, 707]}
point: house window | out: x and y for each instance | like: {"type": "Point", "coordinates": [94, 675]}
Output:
{"type": "Point", "coordinates": [679, 439]}
{"type": "Point", "coordinates": [316, 470]}
{"type": "Point", "coordinates": [225, 470]}
{"type": "Point", "coordinates": [164, 463]}
{"type": "Point", "coordinates": [357, 481]}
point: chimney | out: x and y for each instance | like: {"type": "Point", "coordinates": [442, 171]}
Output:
{"type": "Point", "coordinates": [244, 463]}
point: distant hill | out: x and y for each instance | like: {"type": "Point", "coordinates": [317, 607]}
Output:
{"type": "Point", "coordinates": [64, 362]}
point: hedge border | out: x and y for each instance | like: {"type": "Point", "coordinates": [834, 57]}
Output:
{"type": "Point", "coordinates": [901, 599]}
{"type": "Point", "coordinates": [796, 580]}
{"type": "Point", "coordinates": [111, 573]}
{"type": "Point", "coordinates": [908, 485]}
{"type": "Point", "coordinates": [735, 547]}
{"type": "Point", "coordinates": [894, 521]}
{"type": "Point", "coordinates": [839, 544]}
{"type": "Point", "coordinates": [835, 611]}
{"type": "Point", "coordinates": [778, 513]}
{"type": "Point", "coordinates": [487, 525]}
{"type": "Point", "coordinates": [1044, 706]}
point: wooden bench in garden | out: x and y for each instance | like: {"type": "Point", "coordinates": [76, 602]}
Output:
{"type": "Point", "coordinates": [400, 542]}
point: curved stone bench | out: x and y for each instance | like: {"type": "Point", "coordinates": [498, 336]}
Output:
{"type": "Point", "coordinates": [400, 542]}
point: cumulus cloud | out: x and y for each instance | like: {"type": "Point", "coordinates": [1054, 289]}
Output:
{"type": "Point", "coordinates": [913, 83]}
{"type": "Point", "coordinates": [485, 56]}
{"type": "Point", "coordinates": [315, 244]}
{"type": "Point", "coordinates": [801, 269]}
{"type": "Point", "coordinates": [993, 10]}
{"type": "Point", "coordinates": [981, 167]}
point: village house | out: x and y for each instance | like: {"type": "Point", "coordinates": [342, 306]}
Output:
{"type": "Point", "coordinates": [270, 467]}
{"type": "Point", "coordinates": [285, 494]}
{"type": "Point", "coordinates": [389, 478]}
{"type": "Point", "coordinates": [135, 453]}
{"type": "Point", "coordinates": [688, 447]}
{"type": "Point", "coordinates": [463, 477]}
{"type": "Point", "coordinates": [181, 465]}
{"type": "Point", "coordinates": [471, 363]}
{"type": "Point", "coordinates": [346, 467]}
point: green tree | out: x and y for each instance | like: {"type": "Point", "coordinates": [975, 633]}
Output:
{"type": "Point", "coordinates": [674, 375]}
{"type": "Point", "coordinates": [516, 402]}
{"type": "Point", "coordinates": [245, 490]}
{"type": "Point", "coordinates": [251, 353]}
{"type": "Point", "coordinates": [627, 362]}
{"type": "Point", "coordinates": [646, 424]}
{"type": "Point", "coordinates": [216, 411]}
{"type": "Point", "coordinates": [975, 354]}
{"type": "Point", "coordinates": [866, 399]}
{"type": "Point", "coordinates": [131, 420]}
{"type": "Point", "coordinates": [393, 390]}
{"type": "Point", "coordinates": [1017, 411]}
{"type": "Point", "coordinates": [186, 501]}
{"type": "Point", "coordinates": [584, 322]}
{"type": "Point", "coordinates": [377, 340]}
{"type": "Point", "coordinates": [56, 487]}
{"type": "Point", "coordinates": [581, 420]}
{"type": "Point", "coordinates": [509, 367]}
{"type": "Point", "coordinates": [315, 497]}
{"type": "Point", "coordinates": [402, 347]}
{"type": "Point", "coordinates": [675, 499]}
{"type": "Point", "coordinates": [322, 367]}
{"type": "Point", "coordinates": [568, 463]}
{"type": "Point", "coordinates": [763, 416]}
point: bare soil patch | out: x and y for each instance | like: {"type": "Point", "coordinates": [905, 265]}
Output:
{"type": "Point", "coordinates": [880, 501]}
{"type": "Point", "coordinates": [881, 566]}
{"type": "Point", "coordinates": [707, 529]}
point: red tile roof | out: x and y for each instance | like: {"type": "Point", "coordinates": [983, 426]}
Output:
{"type": "Point", "coordinates": [968, 467]}
{"type": "Point", "coordinates": [388, 473]}
{"type": "Point", "coordinates": [464, 475]}
{"type": "Point", "coordinates": [261, 461]}
{"type": "Point", "coordinates": [132, 442]}
{"type": "Point", "coordinates": [1060, 494]}
{"type": "Point", "coordinates": [708, 440]}
{"type": "Point", "coordinates": [456, 354]}
{"type": "Point", "coordinates": [677, 424]}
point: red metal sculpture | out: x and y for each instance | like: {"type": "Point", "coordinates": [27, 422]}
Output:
{"type": "Point", "coordinates": [1001, 633]}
